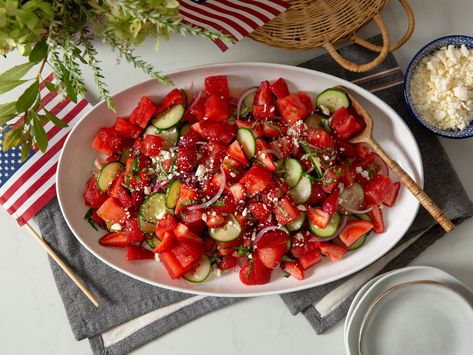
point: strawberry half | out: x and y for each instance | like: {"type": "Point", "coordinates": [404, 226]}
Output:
{"type": "Point", "coordinates": [115, 239]}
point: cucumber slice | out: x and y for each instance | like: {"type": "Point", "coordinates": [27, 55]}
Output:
{"type": "Point", "coordinates": [107, 174]}
{"type": "Point", "coordinates": [144, 226]}
{"type": "Point", "coordinates": [249, 100]}
{"type": "Point", "coordinates": [201, 272]}
{"type": "Point", "coordinates": [314, 159]}
{"type": "Point", "coordinates": [125, 155]}
{"type": "Point", "coordinates": [172, 193]}
{"type": "Point", "coordinates": [184, 129]}
{"type": "Point", "coordinates": [154, 208]}
{"type": "Point", "coordinates": [359, 243]}
{"type": "Point", "coordinates": [296, 224]}
{"type": "Point", "coordinates": [365, 217]}
{"type": "Point", "coordinates": [314, 121]}
{"type": "Point", "coordinates": [169, 136]}
{"type": "Point", "coordinates": [169, 118]}
{"type": "Point", "coordinates": [228, 232]}
{"type": "Point", "coordinates": [329, 230]}
{"type": "Point", "coordinates": [248, 141]}
{"type": "Point", "coordinates": [352, 197]}
{"type": "Point", "coordinates": [333, 99]}
{"type": "Point", "coordinates": [301, 192]}
{"type": "Point", "coordinates": [152, 242]}
{"type": "Point", "coordinates": [293, 171]}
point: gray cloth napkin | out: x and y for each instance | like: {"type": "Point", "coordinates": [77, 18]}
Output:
{"type": "Point", "coordinates": [133, 313]}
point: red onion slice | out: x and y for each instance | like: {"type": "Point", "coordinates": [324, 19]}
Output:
{"type": "Point", "coordinates": [215, 198]}
{"type": "Point", "coordinates": [351, 210]}
{"type": "Point", "coordinates": [340, 228]}
{"type": "Point", "coordinates": [242, 97]}
{"type": "Point", "coordinates": [272, 151]}
{"type": "Point", "coordinates": [266, 230]}
{"type": "Point", "coordinates": [161, 185]}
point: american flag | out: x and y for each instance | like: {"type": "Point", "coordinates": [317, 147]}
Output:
{"type": "Point", "coordinates": [25, 187]}
{"type": "Point", "coordinates": [232, 17]}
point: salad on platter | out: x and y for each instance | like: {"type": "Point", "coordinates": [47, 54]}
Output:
{"type": "Point", "coordinates": [215, 183]}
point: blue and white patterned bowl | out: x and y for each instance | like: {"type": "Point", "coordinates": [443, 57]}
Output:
{"type": "Point", "coordinates": [456, 40]}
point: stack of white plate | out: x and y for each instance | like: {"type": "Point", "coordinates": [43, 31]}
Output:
{"type": "Point", "coordinates": [411, 311]}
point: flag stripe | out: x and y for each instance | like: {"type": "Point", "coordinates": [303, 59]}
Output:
{"type": "Point", "coordinates": [30, 202]}
{"type": "Point", "coordinates": [201, 15]}
{"type": "Point", "coordinates": [209, 9]}
{"type": "Point", "coordinates": [25, 195]}
{"type": "Point", "coordinates": [40, 203]}
{"type": "Point", "coordinates": [248, 10]}
{"type": "Point", "coordinates": [49, 78]}
{"type": "Point", "coordinates": [264, 7]}
{"type": "Point", "coordinates": [40, 159]}
{"type": "Point", "coordinates": [244, 21]}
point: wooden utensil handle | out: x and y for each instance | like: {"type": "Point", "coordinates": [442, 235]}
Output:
{"type": "Point", "coordinates": [418, 193]}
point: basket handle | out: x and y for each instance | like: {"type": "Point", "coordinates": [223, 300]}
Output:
{"type": "Point", "coordinates": [358, 68]}
{"type": "Point", "coordinates": [410, 29]}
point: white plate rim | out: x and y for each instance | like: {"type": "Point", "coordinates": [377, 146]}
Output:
{"type": "Point", "coordinates": [414, 273]}
{"type": "Point", "coordinates": [252, 65]}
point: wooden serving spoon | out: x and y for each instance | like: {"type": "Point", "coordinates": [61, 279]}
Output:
{"type": "Point", "coordinates": [366, 136]}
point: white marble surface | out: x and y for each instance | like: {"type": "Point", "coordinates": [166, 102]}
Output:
{"type": "Point", "coordinates": [32, 318]}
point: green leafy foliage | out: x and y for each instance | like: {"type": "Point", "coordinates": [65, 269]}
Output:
{"type": "Point", "coordinates": [61, 33]}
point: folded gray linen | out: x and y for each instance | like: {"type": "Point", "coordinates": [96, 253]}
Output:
{"type": "Point", "coordinates": [133, 313]}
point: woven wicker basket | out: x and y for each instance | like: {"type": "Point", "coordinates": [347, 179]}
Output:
{"type": "Point", "coordinates": [323, 23]}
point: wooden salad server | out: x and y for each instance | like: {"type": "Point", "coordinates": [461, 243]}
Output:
{"type": "Point", "coordinates": [366, 136]}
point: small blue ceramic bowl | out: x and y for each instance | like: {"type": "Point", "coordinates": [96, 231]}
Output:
{"type": "Point", "coordinates": [457, 41]}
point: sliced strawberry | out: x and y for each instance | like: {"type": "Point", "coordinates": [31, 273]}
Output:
{"type": "Point", "coordinates": [331, 178]}
{"type": "Point", "coordinates": [332, 251]}
{"type": "Point", "coordinates": [193, 220]}
{"type": "Point", "coordinates": [187, 197]}
{"type": "Point", "coordinates": [168, 239]}
{"type": "Point", "coordinates": [256, 179]}
{"type": "Point", "coordinates": [227, 248]}
{"type": "Point", "coordinates": [330, 205]}
{"type": "Point", "coordinates": [292, 109]}
{"type": "Point", "coordinates": [306, 100]}
{"type": "Point", "coordinates": [138, 253]}
{"type": "Point", "coordinates": [294, 269]}
{"type": "Point", "coordinates": [309, 258]}
{"type": "Point", "coordinates": [227, 262]}
{"type": "Point", "coordinates": [255, 127]}
{"type": "Point", "coordinates": [279, 88]}
{"type": "Point", "coordinates": [135, 235]}
{"type": "Point", "coordinates": [115, 239]}
{"type": "Point", "coordinates": [255, 273]}
{"type": "Point", "coordinates": [174, 97]}
{"type": "Point", "coordinates": [215, 220]}
{"type": "Point", "coordinates": [377, 218]}
{"type": "Point", "coordinates": [127, 129]}
{"type": "Point", "coordinates": [318, 217]}
{"type": "Point", "coordinates": [143, 112]}
{"type": "Point", "coordinates": [165, 225]}
{"type": "Point", "coordinates": [354, 230]}
{"type": "Point", "coordinates": [236, 152]}
{"type": "Point", "coordinates": [233, 169]}
{"type": "Point", "coordinates": [93, 197]}
{"type": "Point", "coordinates": [184, 234]}
{"type": "Point", "coordinates": [217, 85]}
{"type": "Point", "coordinates": [286, 210]}
{"type": "Point", "coordinates": [186, 160]}
{"type": "Point", "coordinates": [392, 195]}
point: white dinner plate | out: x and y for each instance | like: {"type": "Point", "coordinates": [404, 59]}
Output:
{"type": "Point", "coordinates": [76, 163]}
{"type": "Point", "coordinates": [418, 319]}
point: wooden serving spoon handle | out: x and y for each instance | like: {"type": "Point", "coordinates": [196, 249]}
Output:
{"type": "Point", "coordinates": [407, 181]}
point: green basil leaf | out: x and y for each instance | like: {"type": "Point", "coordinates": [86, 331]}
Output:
{"type": "Point", "coordinates": [39, 52]}
{"type": "Point", "coordinates": [39, 132]}
{"type": "Point", "coordinates": [50, 86]}
{"type": "Point", "coordinates": [27, 99]}
{"type": "Point", "coordinates": [16, 72]}
{"type": "Point", "coordinates": [7, 85]}
{"type": "Point", "coordinates": [54, 119]}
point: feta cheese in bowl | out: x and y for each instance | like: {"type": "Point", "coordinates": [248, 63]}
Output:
{"type": "Point", "coordinates": [439, 86]}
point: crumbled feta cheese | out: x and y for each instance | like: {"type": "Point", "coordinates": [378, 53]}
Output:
{"type": "Point", "coordinates": [218, 272]}
{"type": "Point", "coordinates": [232, 174]}
{"type": "Point", "coordinates": [204, 217]}
{"type": "Point", "coordinates": [301, 208]}
{"type": "Point", "coordinates": [325, 110]}
{"type": "Point", "coordinates": [250, 256]}
{"type": "Point", "coordinates": [160, 215]}
{"type": "Point", "coordinates": [442, 88]}
{"type": "Point", "coordinates": [147, 190]}
{"type": "Point", "coordinates": [299, 237]}
{"type": "Point", "coordinates": [156, 257]}
{"type": "Point", "coordinates": [358, 169]}
{"type": "Point", "coordinates": [253, 236]}
{"type": "Point", "coordinates": [365, 174]}
{"type": "Point", "coordinates": [244, 213]}
{"type": "Point", "coordinates": [116, 227]}
{"type": "Point", "coordinates": [200, 172]}
{"type": "Point", "coordinates": [341, 186]}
